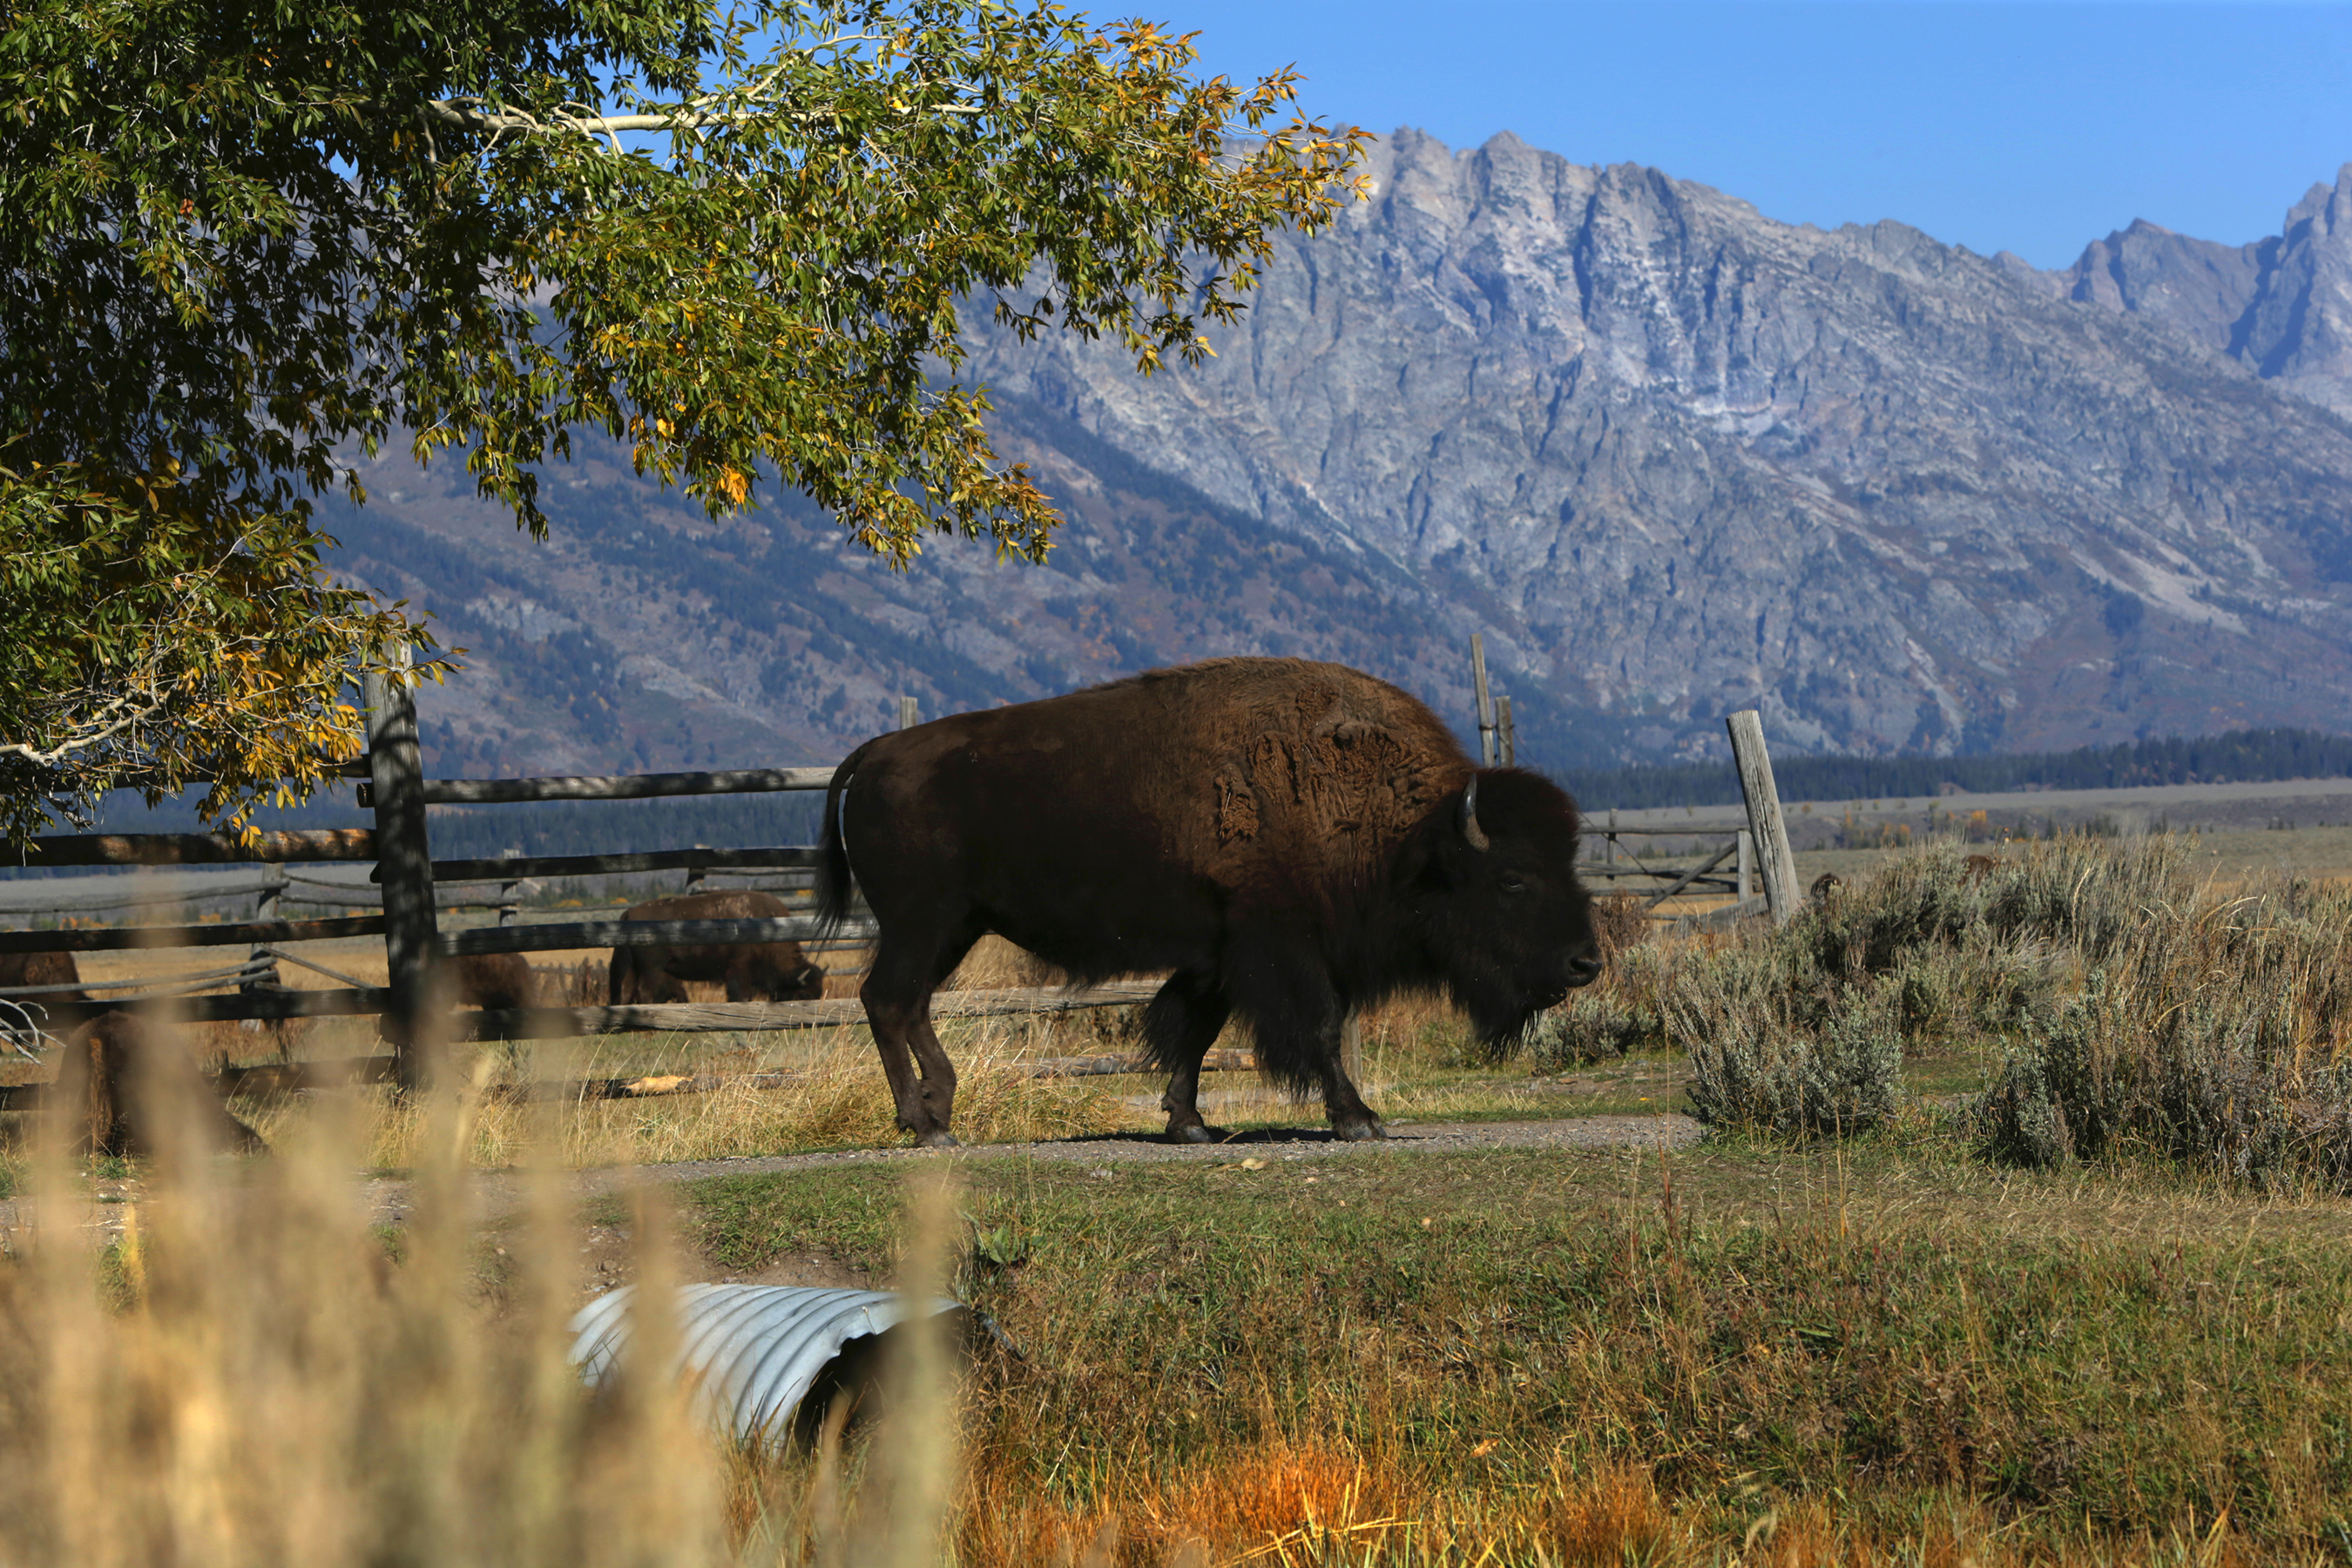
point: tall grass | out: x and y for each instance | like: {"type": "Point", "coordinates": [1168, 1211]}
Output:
{"type": "Point", "coordinates": [1746, 1356]}
{"type": "Point", "coordinates": [251, 1374]}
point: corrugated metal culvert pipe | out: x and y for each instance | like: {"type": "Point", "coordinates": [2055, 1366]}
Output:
{"type": "Point", "coordinates": [756, 1352]}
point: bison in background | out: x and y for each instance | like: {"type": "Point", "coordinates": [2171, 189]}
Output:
{"type": "Point", "coordinates": [125, 1084]}
{"type": "Point", "coordinates": [751, 972]}
{"type": "Point", "coordinates": [495, 980]}
{"type": "Point", "coordinates": [1295, 840]}
{"type": "Point", "coordinates": [120, 1078]}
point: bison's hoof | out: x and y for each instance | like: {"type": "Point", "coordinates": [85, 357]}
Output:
{"type": "Point", "coordinates": [1358, 1131]}
{"type": "Point", "coordinates": [1191, 1132]}
{"type": "Point", "coordinates": [942, 1139]}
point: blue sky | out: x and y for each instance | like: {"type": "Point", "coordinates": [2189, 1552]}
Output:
{"type": "Point", "coordinates": [2026, 127]}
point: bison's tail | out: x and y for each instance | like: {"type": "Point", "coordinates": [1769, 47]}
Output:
{"type": "Point", "coordinates": [834, 886]}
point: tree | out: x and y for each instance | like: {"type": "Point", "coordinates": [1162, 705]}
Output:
{"type": "Point", "coordinates": [244, 240]}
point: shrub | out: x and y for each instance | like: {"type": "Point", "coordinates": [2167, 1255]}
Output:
{"type": "Point", "coordinates": [1752, 1071]}
{"type": "Point", "coordinates": [2209, 1052]}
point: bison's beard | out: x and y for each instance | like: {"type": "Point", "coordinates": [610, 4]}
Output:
{"type": "Point", "coordinates": [1498, 1017]}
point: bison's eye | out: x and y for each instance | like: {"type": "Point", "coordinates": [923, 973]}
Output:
{"type": "Point", "coordinates": [1512, 882]}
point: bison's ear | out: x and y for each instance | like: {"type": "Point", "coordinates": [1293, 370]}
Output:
{"type": "Point", "coordinates": [1472, 834]}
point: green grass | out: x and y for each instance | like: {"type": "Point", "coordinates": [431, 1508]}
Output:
{"type": "Point", "coordinates": [2087, 1357]}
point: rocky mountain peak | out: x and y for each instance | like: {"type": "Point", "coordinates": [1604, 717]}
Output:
{"type": "Point", "coordinates": [2283, 306]}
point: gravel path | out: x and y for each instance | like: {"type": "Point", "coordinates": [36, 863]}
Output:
{"type": "Point", "coordinates": [498, 1192]}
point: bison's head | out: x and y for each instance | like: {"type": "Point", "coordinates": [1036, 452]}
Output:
{"type": "Point", "coordinates": [1501, 910]}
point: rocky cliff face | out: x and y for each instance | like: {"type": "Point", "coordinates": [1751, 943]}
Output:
{"type": "Point", "coordinates": [2280, 306]}
{"type": "Point", "coordinates": [1681, 459]}
{"type": "Point", "coordinates": [1672, 457]}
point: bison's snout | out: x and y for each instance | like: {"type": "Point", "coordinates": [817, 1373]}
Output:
{"type": "Point", "coordinates": [1584, 967]}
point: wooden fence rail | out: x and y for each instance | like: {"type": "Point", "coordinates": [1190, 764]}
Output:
{"type": "Point", "coordinates": [620, 786]}
{"type": "Point", "coordinates": [780, 857]}
{"type": "Point", "coordinates": [200, 848]}
{"type": "Point", "coordinates": [633, 933]}
{"type": "Point", "coordinates": [108, 939]}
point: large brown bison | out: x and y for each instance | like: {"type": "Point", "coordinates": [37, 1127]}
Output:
{"type": "Point", "coordinates": [1295, 840]}
{"type": "Point", "coordinates": [752, 971]}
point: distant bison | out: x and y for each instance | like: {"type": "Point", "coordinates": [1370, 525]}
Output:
{"type": "Point", "coordinates": [495, 980]}
{"type": "Point", "coordinates": [1295, 840]}
{"type": "Point", "coordinates": [751, 972]}
{"type": "Point", "coordinates": [126, 1083]}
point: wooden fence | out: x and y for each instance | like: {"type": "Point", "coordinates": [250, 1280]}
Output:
{"type": "Point", "coordinates": [409, 889]}
{"type": "Point", "coordinates": [1761, 848]}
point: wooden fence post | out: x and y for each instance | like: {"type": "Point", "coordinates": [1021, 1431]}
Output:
{"type": "Point", "coordinates": [1486, 703]}
{"type": "Point", "coordinates": [1746, 865]}
{"type": "Point", "coordinates": [1507, 735]}
{"type": "Point", "coordinates": [909, 715]}
{"type": "Point", "coordinates": [1764, 819]}
{"type": "Point", "coordinates": [404, 865]}
{"type": "Point", "coordinates": [265, 908]}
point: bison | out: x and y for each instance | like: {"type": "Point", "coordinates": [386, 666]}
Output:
{"type": "Point", "coordinates": [124, 1082]}
{"type": "Point", "coordinates": [752, 971]}
{"type": "Point", "coordinates": [1294, 840]}
{"type": "Point", "coordinates": [495, 980]}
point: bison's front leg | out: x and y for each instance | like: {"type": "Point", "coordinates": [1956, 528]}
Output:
{"type": "Point", "coordinates": [1300, 1021]}
{"type": "Point", "coordinates": [1179, 1025]}
{"type": "Point", "coordinates": [1351, 1118]}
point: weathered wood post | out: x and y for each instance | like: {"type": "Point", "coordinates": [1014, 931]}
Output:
{"type": "Point", "coordinates": [509, 892]}
{"type": "Point", "coordinates": [909, 715]}
{"type": "Point", "coordinates": [404, 865]}
{"type": "Point", "coordinates": [1746, 865]}
{"type": "Point", "coordinates": [1507, 735]}
{"type": "Point", "coordinates": [1610, 855]}
{"type": "Point", "coordinates": [265, 908]}
{"type": "Point", "coordinates": [1781, 895]}
{"type": "Point", "coordinates": [1486, 703]}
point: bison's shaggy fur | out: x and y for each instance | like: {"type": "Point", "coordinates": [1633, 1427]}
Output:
{"type": "Point", "coordinates": [1294, 840]}
{"type": "Point", "coordinates": [751, 972]}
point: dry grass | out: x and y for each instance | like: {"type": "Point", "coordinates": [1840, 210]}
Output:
{"type": "Point", "coordinates": [832, 1096]}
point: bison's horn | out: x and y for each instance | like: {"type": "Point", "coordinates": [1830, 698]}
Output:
{"type": "Point", "coordinates": [1470, 829]}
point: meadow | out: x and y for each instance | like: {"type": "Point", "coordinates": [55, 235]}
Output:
{"type": "Point", "coordinates": [2018, 1236]}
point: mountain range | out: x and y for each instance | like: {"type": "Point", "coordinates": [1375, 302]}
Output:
{"type": "Point", "coordinates": [1671, 456]}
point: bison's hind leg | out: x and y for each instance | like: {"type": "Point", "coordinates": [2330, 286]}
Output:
{"type": "Point", "coordinates": [897, 997]}
{"type": "Point", "coordinates": [1181, 1025]}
